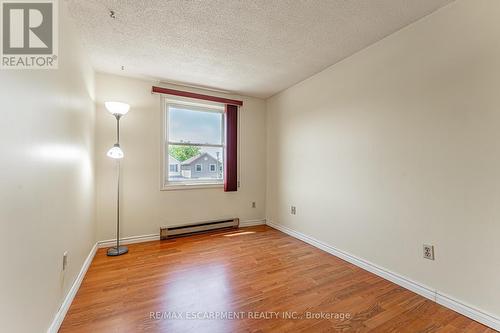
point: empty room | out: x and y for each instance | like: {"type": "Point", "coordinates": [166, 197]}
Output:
{"type": "Point", "coordinates": [250, 166]}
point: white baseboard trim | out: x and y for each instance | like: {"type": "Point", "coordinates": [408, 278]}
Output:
{"type": "Point", "coordinates": [425, 291]}
{"type": "Point", "coordinates": [61, 313]}
{"type": "Point", "coordinates": [468, 311]}
{"type": "Point", "coordinates": [129, 240]}
{"type": "Point", "coordinates": [249, 223]}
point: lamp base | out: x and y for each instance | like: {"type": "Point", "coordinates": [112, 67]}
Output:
{"type": "Point", "coordinates": [113, 251]}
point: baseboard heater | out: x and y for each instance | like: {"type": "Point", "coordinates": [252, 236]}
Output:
{"type": "Point", "coordinates": [189, 229]}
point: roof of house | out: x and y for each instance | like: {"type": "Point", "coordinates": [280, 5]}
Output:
{"type": "Point", "coordinates": [173, 158]}
{"type": "Point", "coordinates": [194, 158]}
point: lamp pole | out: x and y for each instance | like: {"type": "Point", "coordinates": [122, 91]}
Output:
{"type": "Point", "coordinates": [122, 249]}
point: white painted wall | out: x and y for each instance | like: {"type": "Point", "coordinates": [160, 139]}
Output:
{"type": "Point", "coordinates": [402, 141]}
{"type": "Point", "coordinates": [145, 207]}
{"type": "Point", "coordinates": [46, 184]}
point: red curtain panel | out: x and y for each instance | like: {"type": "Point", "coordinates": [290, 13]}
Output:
{"type": "Point", "coordinates": [231, 160]}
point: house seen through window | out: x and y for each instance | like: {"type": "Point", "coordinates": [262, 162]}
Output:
{"type": "Point", "coordinates": [194, 144]}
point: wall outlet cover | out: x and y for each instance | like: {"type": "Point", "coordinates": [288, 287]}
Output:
{"type": "Point", "coordinates": [429, 252]}
{"type": "Point", "coordinates": [65, 260]}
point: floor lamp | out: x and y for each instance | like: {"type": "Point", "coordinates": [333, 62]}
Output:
{"type": "Point", "coordinates": [118, 110]}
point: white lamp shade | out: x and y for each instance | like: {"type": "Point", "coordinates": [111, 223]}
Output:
{"type": "Point", "coordinates": [117, 108]}
{"type": "Point", "coordinates": [115, 152]}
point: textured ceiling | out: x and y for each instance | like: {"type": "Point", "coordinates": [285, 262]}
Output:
{"type": "Point", "coordinates": [251, 47]}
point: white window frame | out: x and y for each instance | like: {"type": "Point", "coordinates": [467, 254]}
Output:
{"type": "Point", "coordinates": [165, 184]}
{"type": "Point", "coordinates": [173, 165]}
{"type": "Point", "coordinates": [196, 167]}
{"type": "Point", "coordinates": [210, 167]}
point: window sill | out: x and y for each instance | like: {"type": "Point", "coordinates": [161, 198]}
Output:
{"type": "Point", "coordinates": [175, 187]}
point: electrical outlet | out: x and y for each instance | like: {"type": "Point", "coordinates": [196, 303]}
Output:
{"type": "Point", "coordinates": [253, 204]}
{"type": "Point", "coordinates": [293, 210]}
{"type": "Point", "coordinates": [429, 252]}
{"type": "Point", "coordinates": [65, 260]}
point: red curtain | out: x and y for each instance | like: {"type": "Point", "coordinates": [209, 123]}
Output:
{"type": "Point", "coordinates": [231, 160]}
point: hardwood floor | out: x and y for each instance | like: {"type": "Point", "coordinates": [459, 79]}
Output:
{"type": "Point", "coordinates": [253, 272]}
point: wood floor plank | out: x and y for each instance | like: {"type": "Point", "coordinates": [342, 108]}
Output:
{"type": "Point", "coordinates": [254, 271]}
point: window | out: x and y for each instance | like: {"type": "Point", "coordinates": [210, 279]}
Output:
{"type": "Point", "coordinates": [194, 143]}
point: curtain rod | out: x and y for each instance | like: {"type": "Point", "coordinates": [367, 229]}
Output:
{"type": "Point", "coordinates": [167, 91]}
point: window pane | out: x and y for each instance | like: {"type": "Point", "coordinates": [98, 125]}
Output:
{"type": "Point", "coordinates": [195, 163]}
{"type": "Point", "coordinates": [193, 126]}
